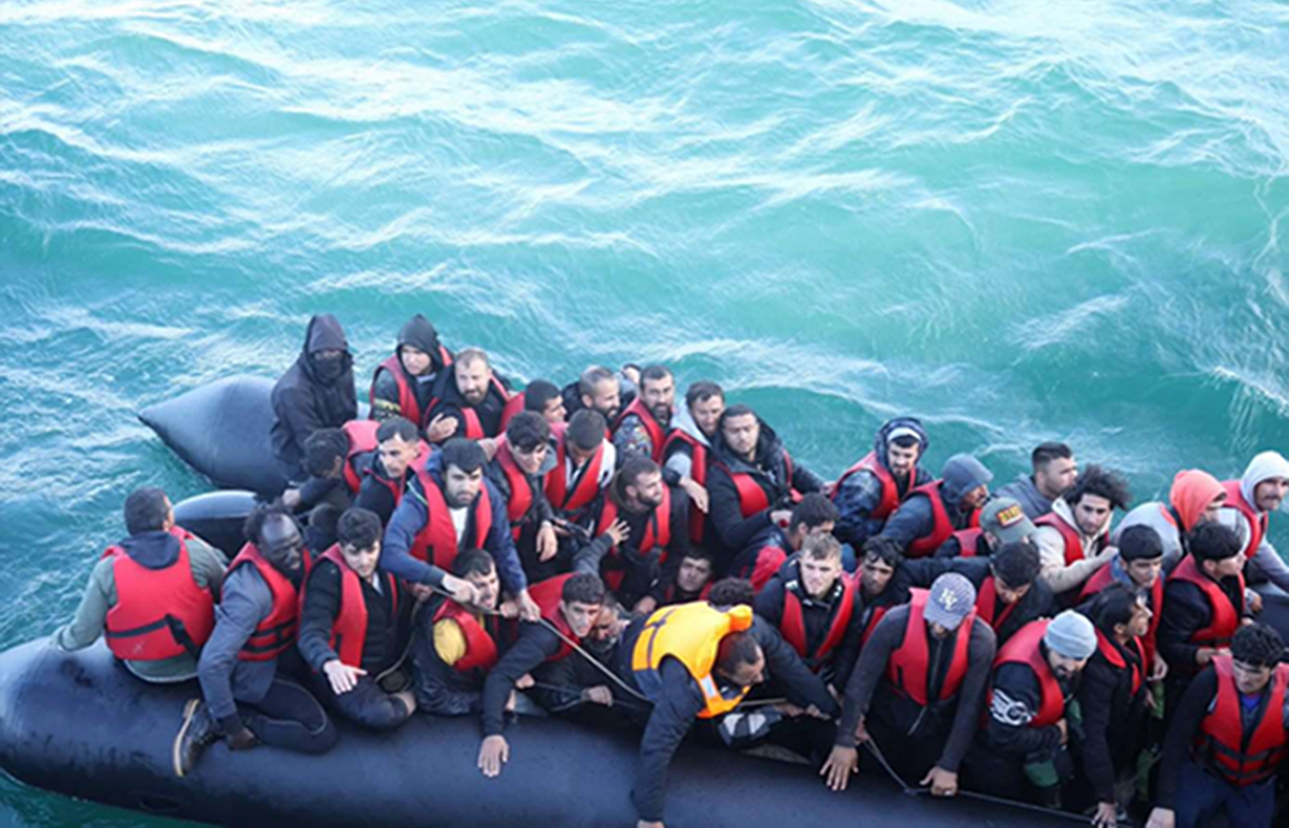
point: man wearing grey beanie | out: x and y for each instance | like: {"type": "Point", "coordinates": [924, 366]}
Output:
{"type": "Point", "coordinates": [1023, 751]}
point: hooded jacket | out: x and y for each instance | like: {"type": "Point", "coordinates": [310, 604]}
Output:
{"type": "Point", "coordinates": [679, 462]}
{"type": "Point", "coordinates": [1022, 490]}
{"type": "Point", "coordinates": [304, 400]}
{"type": "Point", "coordinates": [1051, 551]}
{"type": "Point", "coordinates": [420, 333]}
{"type": "Point", "coordinates": [859, 494]}
{"type": "Point", "coordinates": [1265, 559]}
{"type": "Point", "coordinates": [1191, 492]}
{"type": "Point", "coordinates": [915, 518]}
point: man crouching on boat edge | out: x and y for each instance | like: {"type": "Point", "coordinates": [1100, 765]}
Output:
{"type": "Point", "coordinates": [699, 660]}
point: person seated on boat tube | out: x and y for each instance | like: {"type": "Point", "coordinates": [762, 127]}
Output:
{"type": "Point", "coordinates": [355, 623]}
{"type": "Point", "coordinates": [752, 481]}
{"type": "Point", "coordinates": [403, 385]}
{"type": "Point", "coordinates": [518, 469]}
{"type": "Point", "coordinates": [151, 594]}
{"type": "Point", "coordinates": [248, 694]}
{"type": "Point", "coordinates": [1024, 750]}
{"type": "Point", "coordinates": [1227, 739]}
{"type": "Point", "coordinates": [325, 453]}
{"type": "Point", "coordinates": [1250, 500]}
{"type": "Point", "coordinates": [1139, 565]}
{"type": "Point", "coordinates": [581, 686]}
{"type": "Point", "coordinates": [643, 426]}
{"type": "Point", "coordinates": [814, 604]}
{"type": "Point", "coordinates": [1009, 593]}
{"type": "Point", "coordinates": [918, 689]}
{"type": "Point", "coordinates": [597, 389]}
{"type": "Point", "coordinates": [585, 460]}
{"type": "Point", "coordinates": [1114, 697]}
{"type": "Point", "coordinates": [631, 529]}
{"type": "Point", "coordinates": [685, 452]}
{"type": "Point", "coordinates": [872, 489]}
{"type": "Point", "coordinates": [761, 559]}
{"type": "Point", "coordinates": [1001, 521]}
{"type": "Point", "coordinates": [933, 512]}
{"type": "Point", "coordinates": [569, 605]}
{"type": "Point", "coordinates": [316, 392]}
{"type": "Point", "coordinates": [469, 400]}
{"type": "Point", "coordinates": [1074, 537]}
{"type": "Point", "coordinates": [450, 509]}
{"type": "Point", "coordinates": [699, 661]}
{"type": "Point", "coordinates": [400, 455]}
{"type": "Point", "coordinates": [545, 399]}
{"type": "Point", "coordinates": [1054, 472]}
{"type": "Point", "coordinates": [686, 577]}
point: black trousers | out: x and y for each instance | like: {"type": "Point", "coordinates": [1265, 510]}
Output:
{"type": "Point", "coordinates": [366, 705]}
{"type": "Point", "coordinates": [289, 717]}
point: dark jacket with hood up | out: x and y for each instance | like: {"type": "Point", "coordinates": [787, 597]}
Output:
{"type": "Point", "coordinates": [860, 494]}
{"type": "Point", "coordinates": [771, 473]}
{"type": "Point", "coordinates": [420, 333]}
{"type": "Point", "coordinates": [305, 401]}
{"type": "Point", "coordinates": [915, 518]}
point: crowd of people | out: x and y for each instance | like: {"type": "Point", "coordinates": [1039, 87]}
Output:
{"type": "Point", "coordinates": [611, 550]}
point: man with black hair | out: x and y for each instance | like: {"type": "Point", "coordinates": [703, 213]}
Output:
{"type": "Point", "coordinates": [151, 594]}
{"type": "Point", "coordinates": [751, 480]}
{"type": "Point", "coordinates": [518, 469]}
{"type": "Point", "coordinates": [403, 385]}
{"type": "Point", "coordinates": [449, 509]}
{"type": "Point", "coordinates": [244, 669]}
{"type": "Point", "coordinates": [731, 592]}
{"type": "Point", "coordinates": [1074, 537]}
{"type": "Point", "coordinates": [456, 644]}
{"type": "Point", "coordinates": [643, 425]}
{"type": "Point", "coordinates": [569, 606]}
{"type": "Point", "coordinates": [761, 559]}
{"type": "Point", "coordinates": [688, 446]}
{"type": "Point", "coordinates": [1204, 604]}
{"type": "Point", "coordinates": [872, 489]}
{"type": "Point", "coordinates": [584, 463]}
{"type": "Point", "coordinates": [543, 398]}
{"type": "Point", "coordinates": [316, 392]}
{"type": "Point", "coordinates": [931, 659]}
{"type": "Point", "coordinates": [699, 660]}
{"type": "Point", "coordinates": [690, 578]}
{"type": "Point", "coordinates": [814, 605]}
{"type": "Point", "coordinates": [632, 528]}
{"type": "Point", "coordinates": [354, 626]}
{"type": "Point", "coordinates": [400, 454]}
{"type": "Point", "coordinates": [469, 401]}
{"type": "Point", "coordinates": [1055, 472]}
{"type": "Point", "coordinates": [1009, 594]}
{"type": "Point", "coordinates": [326, 451]}
{"type": "Point", "coordinates": [886, 578]}
{"type": "Point", "coordinates": [1227, 738]}
{"type": "Point", "coordinates": [1139, 565]}
{"type": "Point", "coordinates": [933, 512]}
{"type": "Point", "coordinates": [1114, 698]}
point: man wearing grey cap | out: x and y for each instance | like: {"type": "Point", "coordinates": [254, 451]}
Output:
{"type": "Point", "coordinates": [931, 659]}
{"type": "Point", "coordinates": [1023, 750]}
{"type": "Point", "coordinates": [936, 510]}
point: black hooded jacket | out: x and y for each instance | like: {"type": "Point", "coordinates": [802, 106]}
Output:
{"type": "Point", "coordinates": [773, 471]}
{"type": "Point", "coordinates": [420, 333]}
{"type": "Point", "coordinates": [304, 401]}
{"type": "Point", "coordinates": [858, 496]}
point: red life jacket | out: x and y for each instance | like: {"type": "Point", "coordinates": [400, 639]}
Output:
{"type": "Point", "coordinates": [480, 645]}
{"type": "Point", "coordinates": [987, 600]}
{"type": "Point", "coordinates": [1224, 619]}
{"type": "Point", "coordinates": [586, 481]}
{"type": "Point", "coordinates": [890, 499]}
{"type": "Point", "coordinates": [521, 491]}
{"type": "Point", "coordinates": [547, 594]}
{"type": "Point", "coordinates": [407, 402]}
{"type": "Point", "coordinates": [968, 542]}
{"type": "Point", "coordinates": [513, 406]}
{"type": "Point", "coordinates": [657, 534]}
{"type": "Point", "coordinates": [657, 435]}
{"type": "Point", "coordinates": [1115, 658]}
{"type": "Point", "coordinates": [436, 542]}
{"type": "Point", "coordinates": [417, 467]}
{"type": "Point", "coordinates": [768, 560]}
{"type": "Point", "coordinates": [473, 426]}
{"type": "Point", "coordinates": [1257, 520]}
{"type": "Point", "coordinates": [697, 473]}
{"type": "Point", "coordinates": [1103, 577]}
{"type": "Point", "coordinates": [875, 617]}
{"type": "Point", "coordinates": [906, 669]}
{"type": "Point", "coordinates": [1025, 648]}
{"type": "Point", "coordinates": [1072, 537]}
{"type": "Point", "coordinates": [751, 497]}
{"type": "Point", "coordinates": [159, 613]}
{"type": "Point", "coordinates": [941, 526]}
{"type": "Point", "coordinates": [275, 633]}
{"type": "Point", "coordinates": [793, 625]}
{"type": "Point", "coordinates": [1241, 758]}
{"type": "Point", "coordinates": [362, 439]}
{"type": "Point", "coordinates": [349, 629]}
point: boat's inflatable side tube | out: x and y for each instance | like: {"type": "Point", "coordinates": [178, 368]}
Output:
{"type": "Point", "coordinates": [222, 431]}
{"type": "Point", "coordinates": [217, 517]}
{"type": "Point", "coordinates": [81, 725]}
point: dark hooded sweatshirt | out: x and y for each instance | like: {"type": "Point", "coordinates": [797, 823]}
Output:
{"type": "Point", "coordinates": [420, 333]}
{"type": "Point", "coordinates": [304, 400]}
{"type": "Point", "coordinates": [859, 495]}
{"type": "Point", "coordinates": [773, 471]}
{"type": "Point", "coordinates": [450, 404]}
{"type": "Point", "coordinates": [915, 517]}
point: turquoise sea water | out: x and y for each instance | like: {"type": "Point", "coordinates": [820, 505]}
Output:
{"type": "Point", "coordinates": [1020, 220]}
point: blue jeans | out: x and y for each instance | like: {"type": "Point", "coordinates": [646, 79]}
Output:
{"type": "Point", "coordinates": [1201, 796]}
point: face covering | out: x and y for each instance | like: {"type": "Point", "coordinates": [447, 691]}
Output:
{"type": "Point", "coordinates": [328, 370]}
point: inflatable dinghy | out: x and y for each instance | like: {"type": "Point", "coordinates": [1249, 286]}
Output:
{"type": "Point", "coordinates": [217, 517]}
{"type": "Point", "coordinates": [81, 725]}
